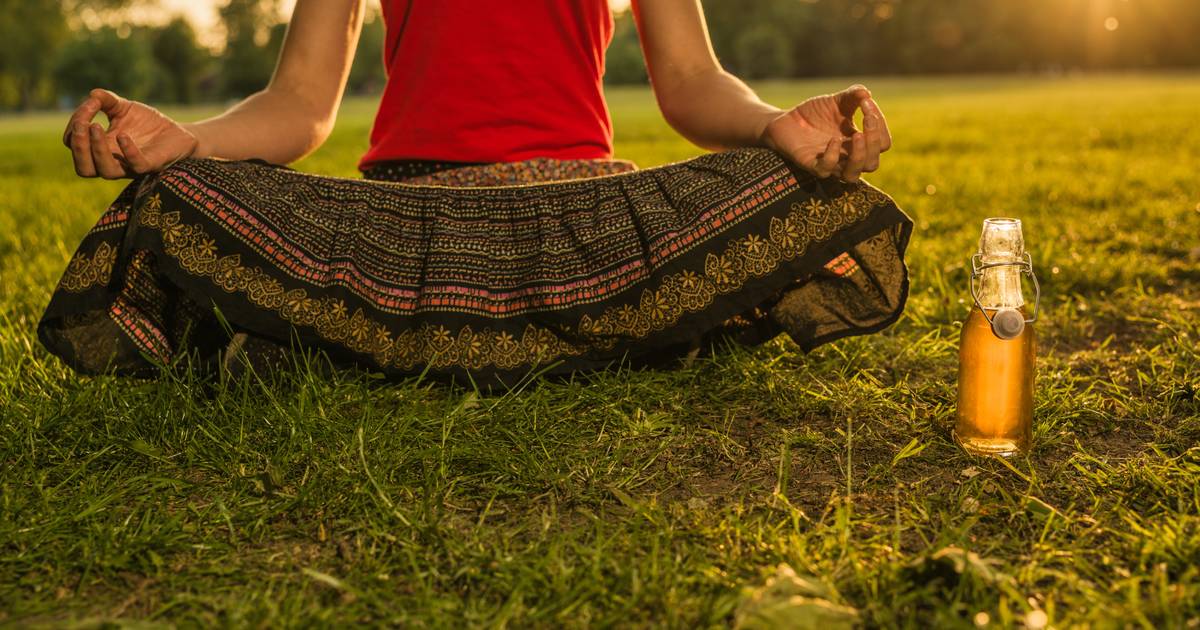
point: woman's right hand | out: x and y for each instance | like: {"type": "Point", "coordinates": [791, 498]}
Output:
{"type": "Point", "coordinates": [139, 138]}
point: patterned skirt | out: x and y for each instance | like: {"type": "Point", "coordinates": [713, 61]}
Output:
{"type": "Point", "coordinates": [485, 272]}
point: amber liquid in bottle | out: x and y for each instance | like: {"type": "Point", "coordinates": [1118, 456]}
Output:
{"type": "Point", "coordinates": [995, 374]}
{"type": "Point", "coordinates": [995, 389]}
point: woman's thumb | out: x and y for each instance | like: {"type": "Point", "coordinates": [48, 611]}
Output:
{"type": "Point", "coordinates": [110, 103]}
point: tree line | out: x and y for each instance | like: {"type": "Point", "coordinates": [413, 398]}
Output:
{"type": "Point", "coordinates": [55, 50]}
{"type": "Point", "coordinates": [805, 38]}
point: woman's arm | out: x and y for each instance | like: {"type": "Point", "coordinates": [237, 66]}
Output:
{"type": "Point", "coordinates": [288, 119]}
{"type": "Point", "coordinates": [716, 110]}
{"type": "Point", "coordinates": [295, 113]}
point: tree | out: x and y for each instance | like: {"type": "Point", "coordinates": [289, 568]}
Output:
{"type": "Point", "coordinates": [624, 63]}
{"type": "Point", "coordinates": [764, 39]}
{"type": "Point", "coordinates": [32, 30]}
{"type": "Point", "coordinates": [254, 37]}
{"type": "Point", "coordinates": [762, 51]}
{"type": "Point", "coordinates": [180, 58]}
{"type": "Point", "coordinates": [105, 58]}
{"type": "Point", "coordinates": [102, 6]}
{"type": "Point", "coordinates": [368, 73]}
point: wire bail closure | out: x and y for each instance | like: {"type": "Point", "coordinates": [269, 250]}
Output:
{"type": "Point", "coordinates": [1007, 323]}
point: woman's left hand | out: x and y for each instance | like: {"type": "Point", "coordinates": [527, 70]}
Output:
{"type": "Point", "coordinates": [819, 134]}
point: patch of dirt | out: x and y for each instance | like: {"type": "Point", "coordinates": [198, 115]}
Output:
{"type": "Point", "coordinates": [1129, 323]}
{"type": "Point", "coordinates": [1090, 335]}
{"type": "Point", "coordinates": [817, 474]}
{"type": "Point", "coordinates": [1122, 442]}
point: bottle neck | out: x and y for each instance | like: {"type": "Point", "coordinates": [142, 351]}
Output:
{"type": "Point", "coordinates": [1000, 287]}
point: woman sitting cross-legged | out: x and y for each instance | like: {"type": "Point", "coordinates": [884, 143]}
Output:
{"type": "Point", "coordinates": [493, 234]}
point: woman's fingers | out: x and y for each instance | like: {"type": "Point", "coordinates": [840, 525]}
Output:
{"type": "Point", "coordinates": [81, 151]}
{"type": "Point", "coordinates": [98, 101]}
{"type": "Point", "coordinates": [857, 160]}
{"type": "Point", "coordinates": [90, 149]}
{"type": "Point", "coordinates": [871, 108]}
{"type": "Point", "coordinates": [847, 128]}
{"type": "Point", "coordinates": [821, 164]}
{"type": "Point", "coordinates": [827, 162]}
{"type": "Point", "coordinates": [851, 99]}
{"type": "Point", "coordinates": [107, 166]}
{"type": "Point", "coordinates": [873, 133]}
{"type": "Point", "coordinates": [111, 104]}
{"type": "Point", "coordinates": [83, 114]}
{"type": "Point", "coordinates": [133, 157]}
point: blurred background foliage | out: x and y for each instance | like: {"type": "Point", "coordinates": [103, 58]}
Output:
{"type": "Point", "coordinates": [56, 50]}
{"type": "Point", "coordinates": [807, 38]}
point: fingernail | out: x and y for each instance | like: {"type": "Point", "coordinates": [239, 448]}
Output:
{"type": "Point", "coordinates": [858, 138]}
{"type": "Point", "coordinates": [870, 122]}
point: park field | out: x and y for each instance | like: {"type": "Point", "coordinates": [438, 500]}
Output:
{"type": "Point", "coordinates": [662, 498]}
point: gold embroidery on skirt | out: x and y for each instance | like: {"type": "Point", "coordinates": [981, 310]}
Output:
{"type": "Point", "coordinates": [687, 291]}
{"type": "Point", "coordinates": [748, 257]}
{"type": "Point", "coordinates": [429, 344]}
{"type": "Point", "coordinates": [84, 272]}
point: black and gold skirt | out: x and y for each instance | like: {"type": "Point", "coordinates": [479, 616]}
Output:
{"type": "Point", "coordinates": [483, 272]}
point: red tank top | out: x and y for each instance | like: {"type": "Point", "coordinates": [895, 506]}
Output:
{"type": "Point", "coordinates": [493, 81]}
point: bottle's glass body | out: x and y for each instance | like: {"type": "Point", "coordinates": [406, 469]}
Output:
{"type": "Point", "coordinates": [995, 389]}
{"type": "Point", "coordinates": [995, 374]}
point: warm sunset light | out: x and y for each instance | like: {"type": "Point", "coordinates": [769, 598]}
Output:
{"type": "Point", "coordinates": [749, 314]}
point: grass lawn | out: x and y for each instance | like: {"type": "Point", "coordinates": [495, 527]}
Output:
{"type": "Point", "coordinates": [663, 498]}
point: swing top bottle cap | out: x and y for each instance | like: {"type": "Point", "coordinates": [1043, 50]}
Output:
{"type": "Point", "coordinates": [1001, 240]}
{"type": "Point", "coordinates": [1008, 323]}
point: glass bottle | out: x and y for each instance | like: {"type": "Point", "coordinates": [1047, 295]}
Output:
{"type": "Point", "coordinates": [997, 348]}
